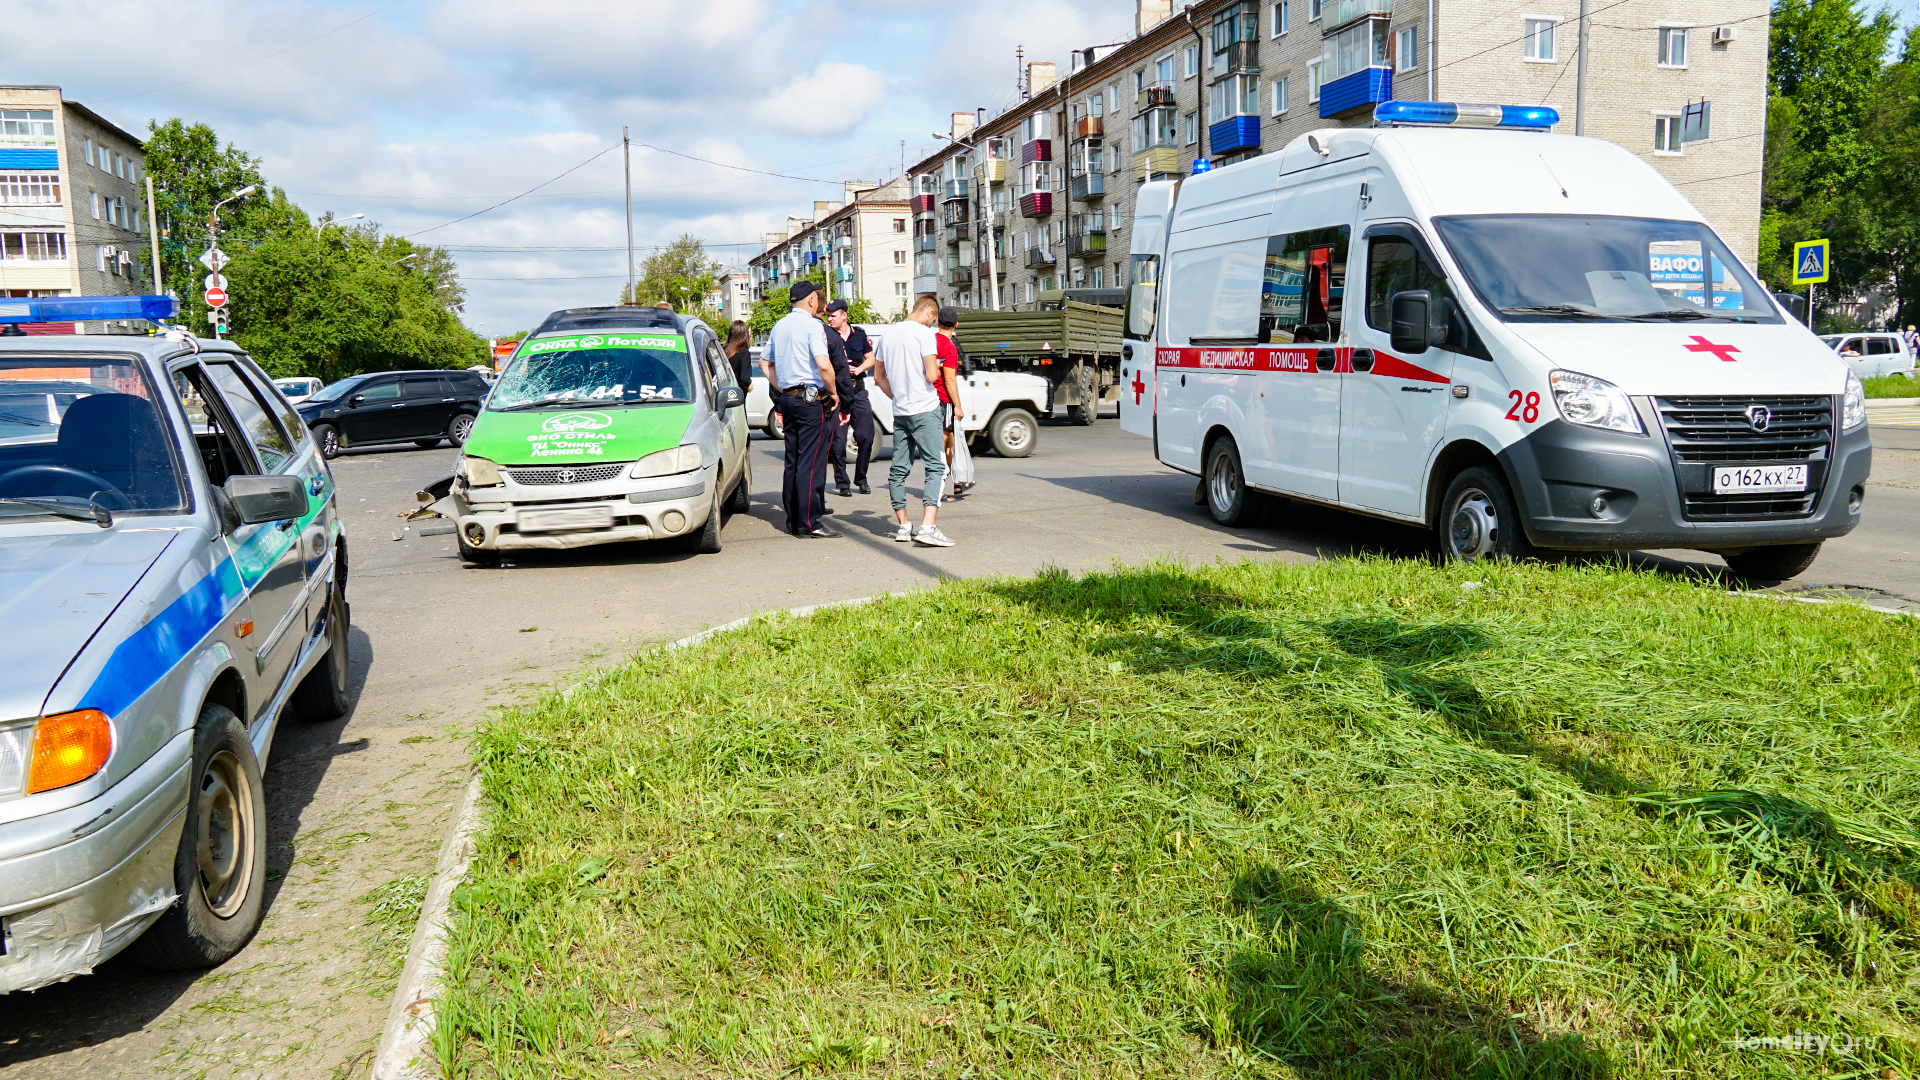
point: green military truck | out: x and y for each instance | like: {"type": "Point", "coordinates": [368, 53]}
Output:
{"type": "Point", "coordinates": [1073, 341]}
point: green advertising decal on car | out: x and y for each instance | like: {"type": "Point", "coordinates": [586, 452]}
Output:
{"type": "Point", "coordinates": [593, 417]}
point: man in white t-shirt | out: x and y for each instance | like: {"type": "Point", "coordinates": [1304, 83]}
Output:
{"type": "Point", "coordinates": [909, 365]}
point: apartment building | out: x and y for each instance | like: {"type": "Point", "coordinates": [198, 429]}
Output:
{"type": "Point", "coordinates": [1039, 197]}
{"type": "Point", "coordinates": [733, 295]}
{"type": "Point", "coordinates": [861, 242]}
{"type": "Point", "coordinates": [73, 216]}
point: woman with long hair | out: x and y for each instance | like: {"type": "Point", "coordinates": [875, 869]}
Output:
{"type": "Point", "coordinates": [739, 350]}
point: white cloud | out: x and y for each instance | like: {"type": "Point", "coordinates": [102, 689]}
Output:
{"type": "Point", "coordinates": [833, 99]}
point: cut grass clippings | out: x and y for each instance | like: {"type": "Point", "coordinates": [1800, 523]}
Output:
{"type": "Point", "coordinates": [1356, 818]}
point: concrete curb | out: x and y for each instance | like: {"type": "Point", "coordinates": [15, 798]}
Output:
{"type": "Point", "coordinates": [406, 1042]}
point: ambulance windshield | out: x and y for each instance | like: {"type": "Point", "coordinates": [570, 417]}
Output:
{"type": "Point", "coordinates": [1543, 268]}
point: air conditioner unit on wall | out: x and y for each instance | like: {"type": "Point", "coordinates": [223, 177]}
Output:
{"type": "Point", "coordinates": [1724, 34]}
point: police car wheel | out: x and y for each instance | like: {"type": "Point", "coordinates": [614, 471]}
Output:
{"type": "Point", "coordinates": [220, 869]}
{"type": "Point", "coordinates": [1480, 519]}
{"type": "Point", "coordinates": [327, 437]}
{"type": "Point", "coordinates": [323, 694]}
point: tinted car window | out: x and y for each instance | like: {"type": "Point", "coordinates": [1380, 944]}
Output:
{"type": "Point", "coordinates": [250, 414]}
{"type": "Point", "coordinates": [290, 421]}
{"type": "Point", "coordinates": [1880, 346]}
{"type": "Point", "coordinates": [383, 390]}
{"type": "Point", "coordinates": [423, 386]}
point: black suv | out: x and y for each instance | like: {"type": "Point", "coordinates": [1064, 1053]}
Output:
{"type": "Point", "coordinates": [394, 406]}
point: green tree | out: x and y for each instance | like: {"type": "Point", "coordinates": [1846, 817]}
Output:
{"type": "Point", "coordinates": [681, 274]}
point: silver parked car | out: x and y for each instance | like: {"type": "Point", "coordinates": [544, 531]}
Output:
{"type": "Point", "coordinates": [172, 576]}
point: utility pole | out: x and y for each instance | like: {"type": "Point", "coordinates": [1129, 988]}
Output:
{"type": "Point", "coordinates": [1580, 78]}
{"type": "Point", "coordinates": [153, 234]}
{"type": "Point", "coordinates": [626, 171]}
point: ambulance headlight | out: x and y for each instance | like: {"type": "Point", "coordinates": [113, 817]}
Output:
{"type": "Point", "coordinates": [478, 472]}
{"type": "Point", "coordinates": [1853, 406]}
{"type": "Point", "coordinates": [1593, 402]}
{"type": "Point", "coordinates": [667, 462]}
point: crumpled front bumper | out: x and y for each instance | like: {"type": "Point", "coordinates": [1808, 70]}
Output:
{"type": "Point", "coordinates": [648, 509]}
{"type": "Point", "coordinates": [68, 933]}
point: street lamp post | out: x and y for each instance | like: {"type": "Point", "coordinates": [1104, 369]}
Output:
{"type": "Point", "coordinates": [334, 221]}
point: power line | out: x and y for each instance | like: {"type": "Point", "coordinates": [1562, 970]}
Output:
{"type": "Point", "coordinates": [522, 195]}
{"type": "Point", "coordinates": [269, 56]}
{"type": "Point", "coordinates": [741, 168]}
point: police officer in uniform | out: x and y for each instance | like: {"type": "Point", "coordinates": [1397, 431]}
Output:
{"type": "Point", "coordinates": [800, 377]}
{"type": "Point", "coordinates": [849, 341]}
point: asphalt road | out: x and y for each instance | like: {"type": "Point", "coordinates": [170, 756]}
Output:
{"type": "Point", "coordinates": [358, 806]}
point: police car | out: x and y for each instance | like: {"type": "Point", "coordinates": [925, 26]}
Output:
{"type": "Point", "coordinates": [172, 577]}
{"type": "Point", "coordinates": [1518, 339]}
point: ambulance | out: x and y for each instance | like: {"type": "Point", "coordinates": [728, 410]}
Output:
{"type": "Point", "coordinates": [1524, 341]}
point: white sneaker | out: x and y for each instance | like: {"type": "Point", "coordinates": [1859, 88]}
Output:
{"type": "Point", "coordinates": [933, 537]}
{"type": "Point", "coordinates": [905, 533]}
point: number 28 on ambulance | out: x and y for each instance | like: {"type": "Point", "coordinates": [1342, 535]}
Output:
{"type": "Point", "coordinates": [1457, 319]}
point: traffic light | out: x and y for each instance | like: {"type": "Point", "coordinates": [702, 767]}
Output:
{"type": "Point", "coordinates": [219, 317]}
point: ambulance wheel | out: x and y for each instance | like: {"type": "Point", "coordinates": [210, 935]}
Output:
{"type": "Point", "coordinates": [220, 869]}
{"type": "Point", "coordinates": [1228, 498]}
{"type": "Point", "coordinates": [1777, 563]}
{"type": "Point", "coordinates": [1480, 519]}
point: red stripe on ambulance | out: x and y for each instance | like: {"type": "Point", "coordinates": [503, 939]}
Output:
{"type": "Point", "coordinates": [1285, 358]}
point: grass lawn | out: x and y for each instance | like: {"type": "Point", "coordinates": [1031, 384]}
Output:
{"type": "Point", "coordinates": [1886, 386]}
{"type": "Point", "coordinates": [1357, 818]}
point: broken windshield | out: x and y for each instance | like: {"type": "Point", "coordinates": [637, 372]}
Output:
{"type": "Point", "coordinates": [606, 368]}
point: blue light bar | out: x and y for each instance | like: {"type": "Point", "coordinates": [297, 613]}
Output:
{"type": "Point", "coordinates": [1201, 165]}
{"type": "Point", "coordinates": [1457, 114]}
{"type": "Point", "coordinates": [87, 309]}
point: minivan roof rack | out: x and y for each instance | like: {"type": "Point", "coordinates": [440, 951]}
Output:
{"type": "Point", "coordinates": [622, 317]}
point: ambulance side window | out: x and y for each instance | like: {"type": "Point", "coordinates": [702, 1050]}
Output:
{"type": "Point", "coordinates": [1143, 297]}
{"type": "Point", "coordinates": [1395, 265]}
{"type": "Point", "coordinates": [1305, 287]}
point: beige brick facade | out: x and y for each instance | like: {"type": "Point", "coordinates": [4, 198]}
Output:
{"type": "Point", "coordinates": [1164, 82]}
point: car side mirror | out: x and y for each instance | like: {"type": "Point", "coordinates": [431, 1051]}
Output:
{"type": "Point", "coordinates": [267, 498]}
{"type": "Point", "coordinates": [1414, 327]}
{"type": "Point", "coordinates": [354, 401]}
{"type": "Point", "coordinates": [731, 396]}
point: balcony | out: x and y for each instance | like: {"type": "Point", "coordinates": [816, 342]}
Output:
{"type": "Point", "coordinates": [1241, 56]}
{"type": "Point", "coordinates": [1341, 12]}
{"type": "Point", "coordinates": [924, 244]}
{"type": "Point", "coordinates": [1088, 127]}
{"type": "Point", "coordinates": [925, 284]}
{"type": "Point", "coordinates": [1087, 246]}
{"type": "Point", "coordinates": [1237, 132]}
{"type": "Point", "coordinates": [1153, 97]}
{"type": "Point", "coordinates": [1159, 160]}
{"type": "Point", "coordinates": [921, 204]}
{"type": "Point", "coordinates": [1089, 187]}
{"type": "Point", "coordinates": [958, 189]}
{"type": "Point", "coordinates": [1036, 203]}
{"type": "Point", "coordinates": [1363, 89]}
{"type": "Point", "coordinates": [958, 231]}
{"type": "Point", "coordinates": [1039, 259]}
{"type": "Point", "coordinates": [991, 172]}
{"type": "Point", "coordinates": [960, 277]}
{"type": "Point", "coordinates": [1037, 150]}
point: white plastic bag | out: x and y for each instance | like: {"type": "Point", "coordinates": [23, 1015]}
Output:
{"type": "Point", "coordinates": [960, 469]}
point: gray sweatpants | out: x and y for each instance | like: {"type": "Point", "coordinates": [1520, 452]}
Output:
{"type": "Point", "coordinates": [917, 437]}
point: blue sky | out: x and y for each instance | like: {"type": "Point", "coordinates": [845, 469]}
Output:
{"type": "Point", "coordinates": [417, 112]}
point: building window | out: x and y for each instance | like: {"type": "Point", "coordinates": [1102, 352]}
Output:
{"type": "Point", "coordinates": [1140, 82]}
{"type": "Point", "coordinates": [1279, 96]}
{"type": "Point", "coordinates": [1192, 56]}
{"type": "Point", "coordinates": [1408, 56]}
{"type": "Point", "coordinates": [1282, 19]}
{"type": "Point", "coordinates": [30, 189]}
{"type": "Point", "coordinates": [1360, 46]}
{"type": "Point", "coordinates": [1113, 98]}
{"type": "Point", "coordinates": [899, 288]}
{"type": "Point", "coordinates": [899, 258]}
{"type": "Point", "coordinates": [1189, 129]}
{"type": "Point", "coordinates": [1097, 106]}
{"type": "Point", "coordinates": [100, 255]}
{"type": "Point", "coordinates": [39, 246]}
{"type": "Point", "coordinates": [1235, 95]}
{"type": "Point", "coordinates": [1163, 71]}
{"type": "Point", "coordinates": [87, 148]}
{"type": "Point", "coordinates": [900, 224]}
{"type": "Point", "coordinates": [1097, 277]}
{"type": "Point", "coordinates": [1666, 135]}
{"type": "Point", "coordinates": [1313, 10]}
{"type": "Point", "coordinates": [1673, 46]}
{"type": "Point", "coordinates": [96, 205]}
{"type": "Point", "coordinates": [26, 127]}
{"type": "Point", "coordinates": [1313, 82]}
{"type": "Point", "coordinates": [1539, 39]}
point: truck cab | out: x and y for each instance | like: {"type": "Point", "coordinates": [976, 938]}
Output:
{"type": "Point", "coordinates": [1521, 340]}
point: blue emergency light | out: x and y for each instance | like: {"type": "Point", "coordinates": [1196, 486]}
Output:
{"type": "Point", "coordinates": [1458, 114]}
{"type": "Point", "coordinates": [1201, 165]}
{"type": "Point", "coordinates": [41, 309]}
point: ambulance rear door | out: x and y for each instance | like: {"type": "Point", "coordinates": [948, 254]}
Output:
{"type": "Point", "coordinates": [1137, 362]}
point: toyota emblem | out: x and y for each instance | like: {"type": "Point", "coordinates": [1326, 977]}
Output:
{"type": "Point", "coordinates": [566, 476]}
{"type": "Point", "coordinates": [1759, 416]}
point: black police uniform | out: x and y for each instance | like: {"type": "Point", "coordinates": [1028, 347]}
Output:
{"type": "Point", "coordinates": [857, 411]}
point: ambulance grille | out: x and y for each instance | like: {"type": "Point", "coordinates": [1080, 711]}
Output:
{"type": "Point", "coordinates": [583, 474]}
{"type": "Point", "coordinates": [1716, 429]}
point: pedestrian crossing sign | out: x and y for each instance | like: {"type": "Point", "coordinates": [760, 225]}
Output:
{"type": "Point", "coordinates": [1810, 262]}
